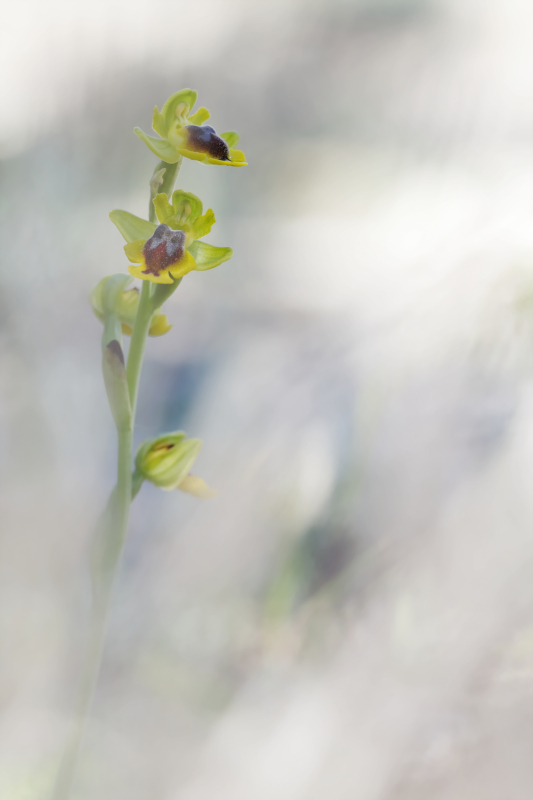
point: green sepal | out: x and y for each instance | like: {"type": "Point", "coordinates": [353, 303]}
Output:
{"type": "Point", "coordinates": [160, 147]}
{"type": "Point", "coordinates": [163, 209]}
{"type": "Point", "coordinates": [203, 225]}
{"type": "Point", "coordinates": [116, 384]}
{"type": "Point", "coordinates": [231, 138]}
{"type": "Point", "coordinates": [106, 300]}
{"type": "Point", "coordinates": [112, 289]}
{"type": "Point", "coordinates": [186, 205]}
{"type": "Point", "coordinates": [112, 330]}
{"type": "Point", "coordinates": [207, 256]}
{"type": "Point", "coordinates": [158, 123]}
{"type": "Point", "coordinates": [127, 309]}
{"type": "Point", "coordinates": [131, 227]}
{"type": "Point", "coordinates": [183, 96]}
{"type": "Point", "coordinates": [121, 309]}
{"type": "Point", "coordinates": [137, 480]}
{"type": "Point", "coordinates": [97, 295]}
{"type": "Point", "coordinates": [189, 450]}
{"type": "Point", "coordinates": [199, 117]}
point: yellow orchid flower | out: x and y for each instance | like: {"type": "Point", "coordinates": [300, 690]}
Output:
{"type": "Point", "coordinates": [166, 252]}
{"type": "Point", "coordinates": [184, 134]}
{"type": "Point", "coordinates": [162, 258]}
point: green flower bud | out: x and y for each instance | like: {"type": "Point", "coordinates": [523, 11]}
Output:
{"type": "Point", "coordinates": [167, 459]}
{"type": "Point", "coordinates": [126, 302]}
{"type": "Point", "coordinates": [108, 299]}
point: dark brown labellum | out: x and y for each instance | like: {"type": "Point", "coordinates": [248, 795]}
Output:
{"type": "Point", "coordinates": [164, 248]}
{"type": "Point", "coordinates": [204, 139]}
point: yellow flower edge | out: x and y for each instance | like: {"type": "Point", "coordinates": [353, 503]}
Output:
{"type": "Point", "coordinates": [237, 158]}
{"type": "Point", "coordinates": [185, 265]}
{"type": "Point", "coordinates": [197, 487]}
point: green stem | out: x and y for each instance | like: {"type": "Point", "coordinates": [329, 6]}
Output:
{"type": "Point", "coordinates": [91, 668]}
{"type": "Point", "coordinates": [138, 343]}
{"type": "Point", "coordinates": [111, 539]}
{"type": "Point", "coordinates": [165, 186]}
{"type": "Point", "coordinates": [114, 523]}
{"type": "Point", "coordinates": [149, 301]}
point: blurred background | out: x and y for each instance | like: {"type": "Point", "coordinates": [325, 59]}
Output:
{"type": "Point", "coordinates": [352, 617]}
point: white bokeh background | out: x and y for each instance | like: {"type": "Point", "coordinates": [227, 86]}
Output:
{"type": "Point", "coordinates": [353, 616]}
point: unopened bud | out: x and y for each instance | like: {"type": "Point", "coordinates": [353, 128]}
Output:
{"type": "Point", "coordinates": [157, 180]}
{"type": "Point", "coordinates": [167, 459]}
{"type": "Point", "coordinates": [126, 304]}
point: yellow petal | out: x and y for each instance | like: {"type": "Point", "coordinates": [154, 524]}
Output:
{"type": "Point", "coordinates": [137, 272]}
{"type": "Point", "coordinates": [199, 117]}
{"type": "Point", "coordinates": [134, 251]}
{"type": "Point", "coordinates": [126, 330]}
{"type": "Point", "coordinates": [237, 159]}
{"type": "Point", "coordinates": [160, 325]}
{"type": "Point", "coordinates": [192, 154]}
{"type": "Point", "coordinates": [197, 487]}
{"type": "Point", "coordinates": [183, 266]}
{"type": "Point", "coordinates": [203, 224]}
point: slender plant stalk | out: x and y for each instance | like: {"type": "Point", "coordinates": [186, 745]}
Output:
{"type": "Point", "coordinates": [112, 531]}
{"type": "Point", "coordinates": [138, 343]}
{"type": "Point", "coordinates": [164, 184]}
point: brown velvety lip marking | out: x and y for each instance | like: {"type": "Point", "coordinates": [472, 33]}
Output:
{"type": "Point", "coordinates": [204, 139]}
{"type": "Point", "coordinates": [164, 248]}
